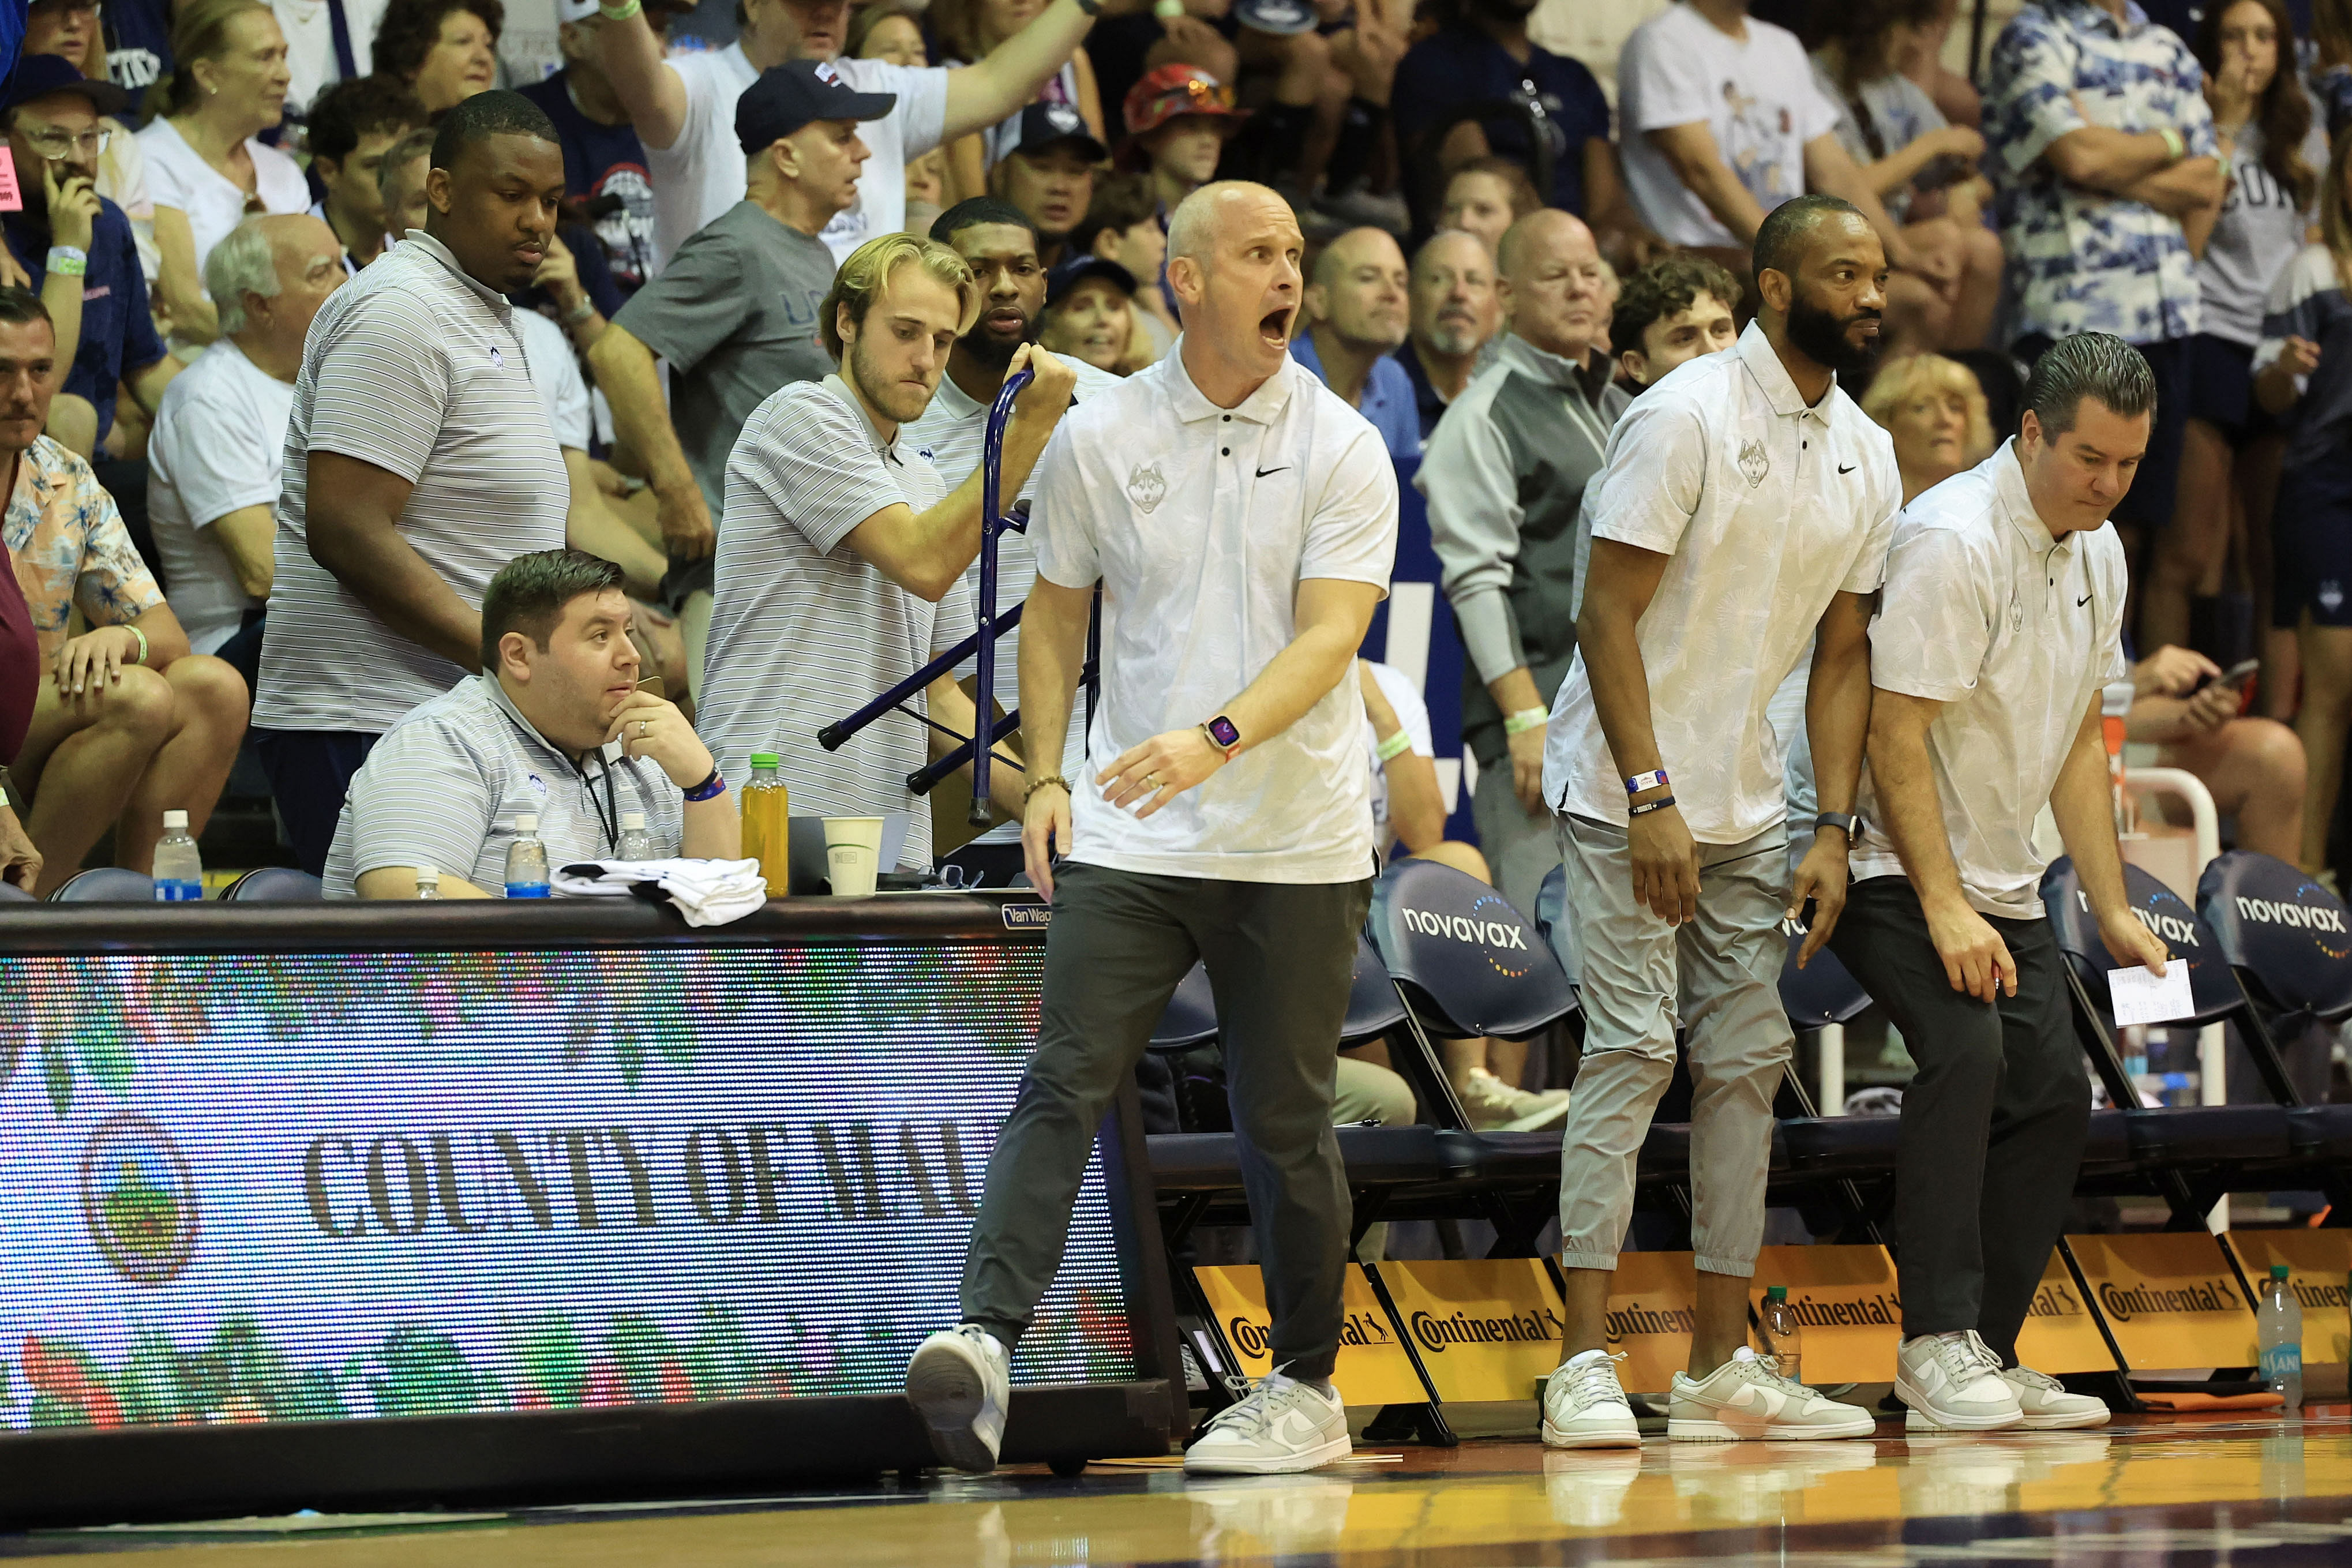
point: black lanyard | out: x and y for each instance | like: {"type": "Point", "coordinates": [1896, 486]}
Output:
{"type": "Point", "coordinates": [608, 810]}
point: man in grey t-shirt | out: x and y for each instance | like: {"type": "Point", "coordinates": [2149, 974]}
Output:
{"type": "Point", "coordinates": [735, 313]}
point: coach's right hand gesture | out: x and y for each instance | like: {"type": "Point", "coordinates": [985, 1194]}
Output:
{"type": "Point", "coordinates": [1045, 827]}
{"type": "Point", "coordinates": [1975, 958]}
{"type": "Point", "coordinates": [1666, 864]}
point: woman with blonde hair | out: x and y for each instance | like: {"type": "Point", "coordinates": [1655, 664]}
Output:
{"type": "Point", "coordinates": [204, 167]}
{"type": "Point", "coordinates": [1937, 415]}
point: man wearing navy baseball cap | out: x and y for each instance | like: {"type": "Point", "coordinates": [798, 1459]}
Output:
{"type": "Point", "coordinates": [735, 313]}
{"type": "Point", "coordinates": [682, 105]}
{"type": "Point", "coordinates": [1050, 175]}
{"type": "Point", "coordinates": [77, 246]}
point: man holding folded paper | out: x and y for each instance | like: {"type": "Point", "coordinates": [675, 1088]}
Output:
{"type": "Point", "coordinates": [2002, 620]}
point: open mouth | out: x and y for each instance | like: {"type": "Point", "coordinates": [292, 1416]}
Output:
{"type": "Point", "coordinates": [1275, 326]}
{"type": "Point", "coordinates": [1005, 321]}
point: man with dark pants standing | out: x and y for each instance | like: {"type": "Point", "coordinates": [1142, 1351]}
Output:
{"type": "Point", "coordinates": [2002, 618]}
{"type": "Point", "coordinates": [1241, 521]}
{"type": "Point", "coordinates": [1746, 504]}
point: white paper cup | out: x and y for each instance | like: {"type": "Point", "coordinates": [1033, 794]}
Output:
{"type": "Point", "coordinates": [853, 848]}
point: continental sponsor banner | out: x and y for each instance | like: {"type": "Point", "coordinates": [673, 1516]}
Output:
{"type": "Point", "coordinates": [1845, 1299]}
{"type": "Point", "coordinates": [1651, 1303]}
{"type": "Point", "coordinates": [1487, 1329]}
{"type": "Point", "coordinates": [1373, 1368]}
{"type": "Point", "coordinates": [2316, 1262]}
{"type": "Point", "coordinates": [2170, 1299]}
{"type": "Point", "coordinates": [2060, 1333]}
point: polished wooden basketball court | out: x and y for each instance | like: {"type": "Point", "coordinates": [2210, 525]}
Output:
{"type": "Point", "coordinates": [2148, 1491]}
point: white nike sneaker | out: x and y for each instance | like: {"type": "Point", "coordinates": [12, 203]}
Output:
{"type": "Point", "coordinates": [1747, 1397]}
{"type": "Point", "coordinates": [960, 1384]}
{"type": "Point", "coordinates": [1584, 1407]}
{"type": "Point", "coordinates": [2046, 1405]}
{"type": "Point", "coordinates": [1280, 1427]}
{"type": "Point", "coordinates": [1952, 1382]}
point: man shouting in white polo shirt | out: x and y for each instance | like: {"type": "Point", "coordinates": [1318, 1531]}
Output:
{"type": "Point", "coordinates": [2003, 617]}
{"type": "Point", "coordinates": [1746, 505]}
{"type": "Point", "coordinates": [1241, 521]}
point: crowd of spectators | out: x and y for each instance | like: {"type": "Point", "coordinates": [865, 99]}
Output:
{"type": "Point", "coordinates": [311, 327]}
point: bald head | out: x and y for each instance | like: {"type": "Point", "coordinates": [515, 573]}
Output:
{"type": "Point", "coordinates": [1362, 291]}
{"type": "Point", "coordinates": [1547, 231]}
{"type": "Point", "coordinates": [1554, 284]}
{"type": "Point", "coordinates": [1232, 262]}
{"type": "Point", "coordinates": [1454, 307]}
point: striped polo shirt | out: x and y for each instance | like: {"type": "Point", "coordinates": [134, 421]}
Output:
{"type": "Point", "coordinates": [445, 787]}
{"type": "Point", "coordinates": [804, 630]}
{"type": "Point", "coordinates": [414, 367]}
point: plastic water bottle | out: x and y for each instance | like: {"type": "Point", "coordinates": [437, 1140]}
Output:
{"type": "Point", "coordinates": [428, 883]}
{"type": "Point", "coordinates": [179, 869]}
{"type": "Point", "coordinates": [1783, 1335]}
{"type": "Point", "coordinates": [767, 818]}
{"type": "Point", "coordinates": [527, 861]}
{"type": "Point", "coordinates": [637, 842]}
{"type": "Point", "coordinates": [2279, 1323]}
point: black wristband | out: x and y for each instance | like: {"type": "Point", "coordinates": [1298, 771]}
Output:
{"type": "Point", "coordinates": [709, 788]}
{"type": "Point", "coordinates": [1648, 807]}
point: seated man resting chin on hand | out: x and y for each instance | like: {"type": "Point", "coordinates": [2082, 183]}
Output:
{"type": "Point", "coordinates": [553, 728]}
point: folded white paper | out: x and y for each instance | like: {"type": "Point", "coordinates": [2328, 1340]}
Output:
{"type": "Point", "coordinates": [2142, 998]}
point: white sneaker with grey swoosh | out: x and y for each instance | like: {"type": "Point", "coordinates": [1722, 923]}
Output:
{"type": "Point", "coordinates": [960, 1384]}
{"type": "Point", "coordinates": [1584, 1406]}
{"type": "Point", "coordinates": [1280, 1427]}
{"type": "Point", "coordinates": [1952, 1382]}
{"type": "Point", "coordinates": [1747, 1397]}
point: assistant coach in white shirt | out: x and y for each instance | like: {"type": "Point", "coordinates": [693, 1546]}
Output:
{"type": "Point", "coordinates": [1745, 505]}
{"type": "Point", "coordinates": [1241, 521]}
{"type": "Point", "coordinates": [2003, 617]}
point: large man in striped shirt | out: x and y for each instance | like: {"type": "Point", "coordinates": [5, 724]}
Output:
{"type": "Point", "coordinates": [419, 461]}
{"type": "Point", "coordinates": [842, 542]}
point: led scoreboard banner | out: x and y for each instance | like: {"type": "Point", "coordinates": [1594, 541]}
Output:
{"type": "Point", "coordinates": [351, 1207]}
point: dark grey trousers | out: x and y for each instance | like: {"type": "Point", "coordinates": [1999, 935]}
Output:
{"type": "Point", "coordinates": [1993, 1125]}
{"type": "Point", "coordinates": [1279, 956]}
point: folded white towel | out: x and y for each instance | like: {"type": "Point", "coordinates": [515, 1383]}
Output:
{"type": "Point", "coordinates": [707, 892]}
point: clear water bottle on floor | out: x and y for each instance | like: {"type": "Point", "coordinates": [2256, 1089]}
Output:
{"type": "Point", "coordinates": [179, 870]}
{"type": "Point", "coordinates": [2278, 1321]}
{"type": "Point", "coordinates": [1783, 1335]}
{"type": "Point", "coordinates": [428, 883]}
{"type": "Point", "coordinates": [527, 861]}
{"type": "Point", "coordinates": [637, 841]}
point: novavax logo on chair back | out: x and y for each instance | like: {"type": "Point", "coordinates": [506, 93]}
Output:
{"type": "Point", "coordinates": [2288, 933]}
{"type": "Point", "coordinates": [2163, 911]}
{"type": "Point", "coordinates": [1476, 964]}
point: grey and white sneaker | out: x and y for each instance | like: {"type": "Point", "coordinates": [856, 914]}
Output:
{"type": "Point", "coordinates": [1952, 1382]}
{"type": "Point", "coordinates": [1494, 1106]}
{"type": "Point", "coordinates": [1280, 1427]}
{"type": "Point", "coordinates": [1584, 1406]}
{"type": "Point", "coordinates": [960, 1384]}
{"type": "Point", "coordinates": [1747, 1397]}
{"type": "Point", "coordinates": [2046, 1405]}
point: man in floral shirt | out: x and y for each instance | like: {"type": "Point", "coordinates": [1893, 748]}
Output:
{"type": "Point", "coordinates": [128, 723]}
{"type": "Point", "coordinates": [2110, 182]}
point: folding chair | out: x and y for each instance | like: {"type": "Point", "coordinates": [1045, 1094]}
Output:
{"type": "Point", "coordinates": [274, 885]}
{"type": "Point", "coordinates": [2289, 941]}
{"type": "Point", "coordinates": [2191, 1155]}
{"type": "Point", "coordinates": [106, 885]}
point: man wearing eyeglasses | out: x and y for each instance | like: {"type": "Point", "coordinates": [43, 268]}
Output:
{"type": "Point", "coordinates": [77, 246]}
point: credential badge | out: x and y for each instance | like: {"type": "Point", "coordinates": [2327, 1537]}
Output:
{"type": "Point", "coordinates": [1145, 488]}
{"type": "Point", "coordinates": [1752, 461]}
